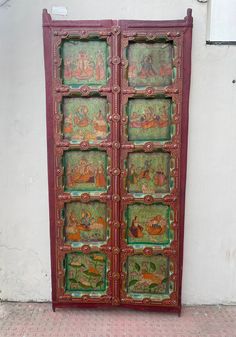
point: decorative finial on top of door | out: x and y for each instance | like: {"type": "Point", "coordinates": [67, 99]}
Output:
{"type": "Point", "coordinates": [189, 18]}
{"type": "Point", "coordinates": [46, 18]}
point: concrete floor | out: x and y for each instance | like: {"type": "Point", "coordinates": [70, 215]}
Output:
{"type": "Point", "coordinates": [38, 320]}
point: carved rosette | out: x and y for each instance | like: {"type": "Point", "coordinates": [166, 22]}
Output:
{"type": "Point", "coordinates": [85, 90]}
{"type": "Point", "coordinates": [115, 30]}
{"type": "Point", "coordinates": [84, 146]}
{"type": "Point", "coordinates": [148, 147]}
{"type": "Point", "coordinates": [148, 199]}
{"type": "Point", "coordinates": [85, 197]}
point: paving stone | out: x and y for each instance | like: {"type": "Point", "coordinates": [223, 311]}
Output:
{"type": "Point", "coordinates": [38, 320]}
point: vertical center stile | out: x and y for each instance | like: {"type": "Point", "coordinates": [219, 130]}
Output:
{"type": "Point", "coordinates": [115, 165]}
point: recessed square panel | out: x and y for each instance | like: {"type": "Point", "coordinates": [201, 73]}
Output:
{"type": "Point", "coordinates": [149, 119]}
{"type": "Point", "coordinates": [149, 224]}
{"type": "Point", "coordinates": [86, 272]}
{"type": "Point", "coordinates": [85, 170]}
{"type": "Point", "coordinates": [150, 64]}
{"type": "Point", "coordinates": [85, 119]}
{"type": "Point", "coordinates": [148, 173]}
{"type": "Point", "coordinates": [84, 63]}
{"type": "Point", "coordinates": [148, 274]}
{"type": "Point", "coordinates": [86, 222]}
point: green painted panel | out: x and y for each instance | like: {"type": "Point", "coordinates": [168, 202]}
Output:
{"type": "Point", "coordinates": [84, 63]}
{"type": "Point", "coordinates": [85, 119]}
{"type": "Point", "coordinates": [150, 64]}
{"type": "Point", "coordinates": [149, 224]}
{"type": "Point", "coordinates": [86, 222]}
{"type": "Point", "coordinates": [85, 170]}
{"type": "Point", "coordinates": [149, 119]}
{"type": "Point", "coordinates": [148, 173]}
{"type": "Point", "coordinates": [148, 275]}
{"type": "Point", "coordinates": [85, 272]}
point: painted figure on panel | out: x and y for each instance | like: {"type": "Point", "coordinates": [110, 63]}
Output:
{"type": "Point", "coordinates": [149, 224]}
{"type": "Point", "coordinates": [85, 119]}
{"type": "Point", "coordinates": [136, 229]}
{"type": "Point", "coordinates": [147, 69]}
{"type": "Point", "coordinates": [85, 222]}
{"type": "Point", "coordinates": [86, 272]}
{"type": "Point", "coordinates": [84, 63]}
{"type": "Point", "coordinates": [68, 68]}
{"type": "Point", "coordinates": [149, 119]}
{"type": "Point", "coordinates": [85, 172]}
{"type": "Point", "coordinates": [85, 66]}
{"type": "Point", "coordinates": [148, 274]}
{"type": "Point", "coordinates": [100, 126]}
{"type": "Point", "coordinates": [154, 226]}
{"type": "Point", "coordinates": [81, 116]}
{"type": "Point", "coordinates": [100, 180]}
{"type": "Point", "coordinates": [150, 64]}
{"type": "Point", "coordinates": [100, 69]}
{"type": "Point", "coordinates": [148, 173]}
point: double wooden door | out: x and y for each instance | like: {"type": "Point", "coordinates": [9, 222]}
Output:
{"type": "Point", "coordinates": [117, 115]}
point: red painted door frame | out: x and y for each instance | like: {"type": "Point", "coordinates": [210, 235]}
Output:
{"type": "Point", "coordinates": [118, 34]}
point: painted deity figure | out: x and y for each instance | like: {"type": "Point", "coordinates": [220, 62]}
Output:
{"type": "Point", "coordinates": [100, 179]}
{"type": "Point", "coordinates": [136, 229]}
{"type": "Point", "coordinates": [145, 173]}
{"type": "Point", "coordinates": [85, 68]}
{"type": "Point", "coordinates": [100, 125]}
{"type": "Point", "coordinates": [148, 114]}
{"type": "Point", "coordinates": [156, 225]}
{"type": "Point", "coordinates": [68, 73]}
{"type": "Point", "coordinates": [83, 173]}
{"type": "Point", "coordinates": [86, 171]}
{"type": "Point", "coordinates": [81, 117]}
{"type": "Point", "coordinates": [72, 231]}
{"type": "Point", "coordinates": [132, 174]}
{"type": "Point", "coordinates": [68, 127]}
{"type": "Point", "coordinates": [86, 219]}
{"type": "Point", "coordinates": [159, 178]}
{"type": "Point", "coordinates": [99, 69]}
{"type": "Point", "coordinates": [149, 119]}
{"type": "Point", "coordinates": [147, 68]}
{"type": "Point", "coordinates": [134, 117]}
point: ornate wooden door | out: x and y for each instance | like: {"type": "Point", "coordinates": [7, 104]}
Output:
{"type": "Point", "coordinates": [117, 115]}
{"type": "Point", "coordinates": [154, 99]}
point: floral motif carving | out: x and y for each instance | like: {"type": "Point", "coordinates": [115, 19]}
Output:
{"type": "Point", "coordinates": [115, 30]}
{"type": "Point", "coordinates": [148, 147]}
{"type": "Point", "coordinates": [85, 197]}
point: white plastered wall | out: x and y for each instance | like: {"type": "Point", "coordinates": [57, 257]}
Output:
{"type": "Point", "coordinates": [210, 235]}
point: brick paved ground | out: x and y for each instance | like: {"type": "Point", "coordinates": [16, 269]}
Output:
{"type": "Point", "coordinates": [38, 320]}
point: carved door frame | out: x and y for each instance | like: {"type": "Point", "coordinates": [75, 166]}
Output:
{"type": "Point", "coordinates": [118, 35]}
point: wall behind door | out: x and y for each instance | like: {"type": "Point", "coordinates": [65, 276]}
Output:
{"type": "Point", "coordinates": [210, 236]}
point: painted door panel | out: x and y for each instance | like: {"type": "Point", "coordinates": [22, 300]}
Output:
{"type": "Point", "coordinates": [82, 100]}
{"type": "Point", "coordinates": [152, 113]}
{"type": "Point", "coordinates": [85, 119]}
{"type": "Point", "coordinates": [84, 62]}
